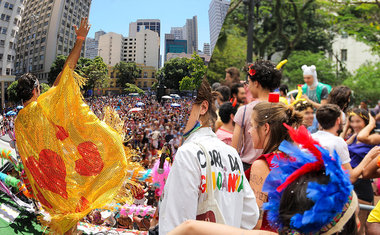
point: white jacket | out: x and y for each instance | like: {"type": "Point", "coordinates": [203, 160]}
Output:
{"type": "Point", "coordinates": [186, 184]}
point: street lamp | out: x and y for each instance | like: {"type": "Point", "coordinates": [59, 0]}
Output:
{"type": "Point", "coordinates": [160, 87]}
{"type": "Point", "coordinates": [251, 6]}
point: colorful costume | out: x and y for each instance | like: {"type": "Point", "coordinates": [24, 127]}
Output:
{"type": "Point", "coordinates": [74, 162]}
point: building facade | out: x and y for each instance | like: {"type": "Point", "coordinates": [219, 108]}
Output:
{"type": "Point", "coordinates": [141, 24]}
{"type": "Point", "coordinates": [191, 31]}
{"type": "Point", "coordinates": [47, 31]}
{"type": "Point", "coordinates": [145, 80]}
{"type": "Point", "coordinates": [110, 48]}
{"type": "Point", "coordinates": [142, 49]}
{"type": "Point", "coordinates": [178, 32]}
{"type": "Point", "coordinates": [10, 20]}
{"type": "Point", "coordinates": [206, 49]}
{"type": "Point", "coordinates": [173, 45]}
{"type": "Point", "coordinates": [92, 45]}
{"type": "Point", "coordinates": [351, 53]}
{"type": "Point", "coordinates": [216, 13]}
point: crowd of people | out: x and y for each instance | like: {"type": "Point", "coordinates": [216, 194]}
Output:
{"type": "Point", "coordinates": [245, 158]}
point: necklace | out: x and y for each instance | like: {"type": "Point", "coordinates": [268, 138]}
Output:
{"type": "Point", "coordinates": [196, 127]}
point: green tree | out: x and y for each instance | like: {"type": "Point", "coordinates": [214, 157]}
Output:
{"type": "Point", "coordinates": [132, 88]}
{"type": "Point", "coordinates": [174, 71]}
{"type": "Point", "coordinates": [365, 83]}
{"type": "Point", "coordinates": [127, 73]}
{"type": "Point", "coordinates": [360, 19]}
{"type": "Point", "coordinates": [12, 92]}
{"type": "Point", "coordinates": [56, 68]}
{"type": "Point", "coordinates": [197, 70]}
{"type": "Point", "coordinates": [293, 74]}
{"type": "Point", "coordinates": [96, 73]}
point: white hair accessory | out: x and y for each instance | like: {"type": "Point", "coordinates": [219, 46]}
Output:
{"type": "Point", "coordinates": [311, 70]}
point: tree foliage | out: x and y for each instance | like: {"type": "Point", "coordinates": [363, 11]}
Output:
{"type": "Point", "coordinates": [96, 72]}
{"type": "Point", "coordinates": [197, 70]}
{"type": "Point", "coordinates": [56, 68]}
{"type": "Point", "coordinates": [280, 27]}
{"type": "Point", "coordinates": [12, 93]}
{"type": "Point", "coordinates": [356, 18]}
{"type": "Point", "coordinates": [366, 83]}
{"type": "Point", "coordinates": [173, 72]}
{"type": "Point", "coordinates": [132, 88]}
{"type": "Point", "coordinates": [127, 73]}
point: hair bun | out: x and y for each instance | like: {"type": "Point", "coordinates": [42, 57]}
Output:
{"type": "Point", "coordinates": [294, 118]}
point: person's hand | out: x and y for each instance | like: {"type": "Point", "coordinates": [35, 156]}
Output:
{"type": "Point", "coordinates": [83, 29]}
{"type": "Point", "coordinates": [372, 121]}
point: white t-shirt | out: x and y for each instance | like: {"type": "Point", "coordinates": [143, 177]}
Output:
{"type": "Point", "coordinates": [332, 142]}
{"type": "Point", "coordinates": [186, 184]}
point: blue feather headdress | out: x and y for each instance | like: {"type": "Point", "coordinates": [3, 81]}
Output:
{"type": "Point", "coordinates": [331, 200]}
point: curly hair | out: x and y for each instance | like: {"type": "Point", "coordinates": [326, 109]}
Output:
{"type": "Point", "coordinates": [25, 86]}
{"type": "Point", "coordinates": [266, 74]}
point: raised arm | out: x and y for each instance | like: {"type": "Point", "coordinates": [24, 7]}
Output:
{"type": "Point", "coordinates": [365, 136]}
{"type": "Point", "coordinates": [73, 58]}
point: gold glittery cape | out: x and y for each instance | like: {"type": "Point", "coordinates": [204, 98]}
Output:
{"type": "Point", "coordinates": [74, 162]}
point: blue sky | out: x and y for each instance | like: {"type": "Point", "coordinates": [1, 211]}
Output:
{"type": "Point", "coordinates": [115, 15]}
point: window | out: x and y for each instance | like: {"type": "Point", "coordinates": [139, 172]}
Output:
{"type": "Point", "coordinates": [4, 31]}
{"type": "Point", "coordinates": [343, 54]}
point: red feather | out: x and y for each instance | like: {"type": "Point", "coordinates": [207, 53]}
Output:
{"type": "Point", "coordinates": [313, 166]}
{"type": "Point", "coordinates": [303, 137]}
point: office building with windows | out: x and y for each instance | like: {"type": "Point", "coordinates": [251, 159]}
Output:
{"type": "Point", "coordinates": [47, 31]}
{"type": "Point", "coordinates": [10, 20]}
{"type": "Point", "coordinates": [216, 14]}
{"type": "Point", "coordinates": [173, 45]}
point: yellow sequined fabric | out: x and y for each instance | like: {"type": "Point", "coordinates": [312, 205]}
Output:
{"type": "Point", "coordinates": [74, 162]}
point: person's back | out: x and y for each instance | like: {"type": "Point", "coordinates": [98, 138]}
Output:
{"type": "Point", "coordinates": [185, 188]}
{"type": "Point", "coordinates": [329, 117]}
{"type": "Point", "coordinates": [188, 179]}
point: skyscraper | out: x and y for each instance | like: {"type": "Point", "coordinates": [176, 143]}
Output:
{"type": "Point", "coordinates": [216, 14]}
{"type": "Point", "coordinates": [178, 32]}
{"type": "Point", "coordinates": [92, 45]}
{"type": "Point", "coordinates": [191, 30]}
{"type": "Point", "coordinates": [10, 19]}
{"type": "Point", "coordinates": [206, 49]}
{"type": "Point", "coordinates": [173, 45]}
{"type": "Point", "coordinates": [47, 31]}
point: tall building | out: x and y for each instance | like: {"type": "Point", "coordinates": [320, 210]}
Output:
{"type": "Point", "coordinates": [139, 25]}
{"type": "Point", "coordinates": [47, 31]}
{"type": "Point", "coordinates": [216, 14]}
{"type": "Point", "coordinates": [191, 31]}
{"type": "Point", "coordinates": [110, 48]}
{"type": "Point", "coordinates": [178, 32]}
{"type": "Point", "coordinates": [206, 49]}
{"type": "Point", "coordinates": [143, 48]}
{"type": "Point", "coordinates": [92, 45]}
{"type": "Point", "coordinates": [173, 45]}
{"type": "Point", "coordinates": [11, 12]}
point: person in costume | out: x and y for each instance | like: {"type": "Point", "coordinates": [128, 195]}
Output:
{"type": "Point", "coordinates": [203, 156]}
{"type": "Point", "coordinates": [313, 91]}
{"type": "Point", "coordinates": [74, 162]}
{"type": "Point", "coordinates": [308, 193]}
{"type": "Point", "coordinates": [267, 133]}
{"type": "Point", "coordinates": [263, 78]}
